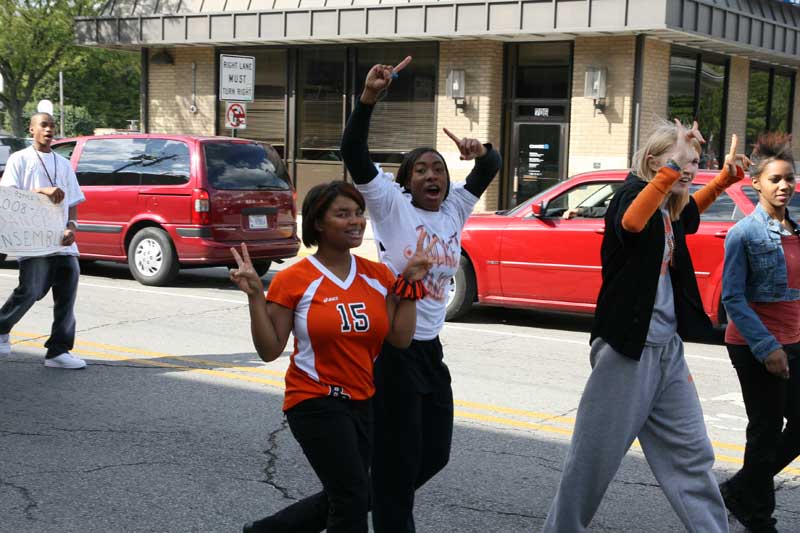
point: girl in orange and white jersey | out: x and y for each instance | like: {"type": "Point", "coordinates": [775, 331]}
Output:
{"type": "Point", "coordinates": [340, 309]}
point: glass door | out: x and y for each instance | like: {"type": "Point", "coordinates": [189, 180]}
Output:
{"type": "Point", "coordinates": [537, 159]}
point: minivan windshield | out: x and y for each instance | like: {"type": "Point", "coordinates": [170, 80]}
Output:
{"type": "Point", "coordinates": [244, 166]}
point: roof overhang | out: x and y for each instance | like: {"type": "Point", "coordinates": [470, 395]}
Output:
{"type": "Point", "coordinates": [765, 30]}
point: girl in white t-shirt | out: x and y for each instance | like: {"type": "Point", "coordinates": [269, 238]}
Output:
{"type": "Point", "coordinates": [413, 400]}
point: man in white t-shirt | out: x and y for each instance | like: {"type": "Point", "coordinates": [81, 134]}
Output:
{"type": "Point", "coordinates": [39, 169]}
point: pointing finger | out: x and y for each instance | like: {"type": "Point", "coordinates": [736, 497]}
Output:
{"type": "Point", "coordinates": [403, 64]}
{"type": "Point", "coordinates": [734, 144]}
{"type": "Point", "coordinates": [453, 136]}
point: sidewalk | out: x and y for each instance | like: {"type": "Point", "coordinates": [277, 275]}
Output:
{"type": "Point", "coordinates": [367, 250]}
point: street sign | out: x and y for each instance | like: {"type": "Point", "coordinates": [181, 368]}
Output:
{"type": "Point", "coordinates": [235, 116]}
{"type": "Point", "coordinates": [237, 76]}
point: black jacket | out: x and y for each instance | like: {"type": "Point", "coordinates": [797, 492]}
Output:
{"type": "Point", "coordinates": [631, 267]}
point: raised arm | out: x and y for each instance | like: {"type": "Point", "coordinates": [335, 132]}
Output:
{"type": "Point", "coordinates": [487, 162]}
{"type": "Point", "coordinates": [270, 324]}
{"type": "Point", "coordinates": [732, 171]}
{"type": "Point", "coordinates": [652, 196]}
{"type": "Point", "coordinates": [355, 151]}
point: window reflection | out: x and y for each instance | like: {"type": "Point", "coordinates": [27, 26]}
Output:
{"type": "Point", "coordinates": [697, 92]}
{"type": "Point", "coordinates": [765, 113]}
{"type": "Point", "coordinates": [320, 103]}
{"type": "Point", "coordinates": [404, 118]}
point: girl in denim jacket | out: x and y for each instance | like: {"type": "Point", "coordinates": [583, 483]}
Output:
{"type": "Point", "coordinates": [761, 294]}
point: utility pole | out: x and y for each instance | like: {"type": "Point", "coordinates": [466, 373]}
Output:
{"type": "Point", "coordinates": [61, 98]}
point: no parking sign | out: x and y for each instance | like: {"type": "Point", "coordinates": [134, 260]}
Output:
{"type": "Point", "coordinates": [235, 116]}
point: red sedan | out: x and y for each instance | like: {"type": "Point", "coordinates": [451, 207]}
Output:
{"type": "Point", "coordinates": [533, 257]}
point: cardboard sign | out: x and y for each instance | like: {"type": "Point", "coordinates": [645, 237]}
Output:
{"type": "Point", "coordinates": [30, 224]}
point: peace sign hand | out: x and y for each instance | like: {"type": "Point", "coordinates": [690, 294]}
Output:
{"type": "Point", "coordinates": [245, 276]}
{"type": "Point", "coordinates": [379, 78]}
{"type": "Point", "coordinates": [684, 152]}
{"type": "Point", "coordinates": [469, 148]}
{"type": "Point", "coordinates": [734, 161]}
{"type": "Point", "coordinates": [422, 261]}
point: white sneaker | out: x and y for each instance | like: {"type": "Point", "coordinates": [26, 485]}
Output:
{"type": "Point", "coordinates": [65, 360]}
{"type": "Point", "coordinates": [5, 345]}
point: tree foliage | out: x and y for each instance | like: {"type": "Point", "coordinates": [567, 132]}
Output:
{"type": "Point", "coordinates": [37, 40]}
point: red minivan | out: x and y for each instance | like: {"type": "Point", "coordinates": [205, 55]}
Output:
{"type": "Point", "coordinates": [161, 202]}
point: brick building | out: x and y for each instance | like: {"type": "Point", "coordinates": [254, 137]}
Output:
{"type": "Point", "coordinates": [730, 64]}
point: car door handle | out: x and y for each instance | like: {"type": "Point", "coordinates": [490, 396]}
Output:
{"type": "Point", "coordinates": [600, 230]}
{"type": "Point", "coordinates": [721, 233]}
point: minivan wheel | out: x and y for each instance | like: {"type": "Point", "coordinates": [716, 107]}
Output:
{"type": "Point", "coordinates": [462, 291]}
{"type": "Point", "coordinates": [152, 258]}
{"type": "Point", "coordinates": [262, 267]}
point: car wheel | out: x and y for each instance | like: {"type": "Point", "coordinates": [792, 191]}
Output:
{"type": "Point", "coordinates": [152, 258]}
{"type": "Point", "coordinates": [262, 267]}
{"type": "Point", "coordinates": [462, 291]}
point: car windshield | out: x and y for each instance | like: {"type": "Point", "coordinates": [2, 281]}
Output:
{"type": "Point", "coordinates": [529, 201]}
{"type": "Point", "coordinates": [14, 143]}
{"type": "Point", "coordinates": [244, 166]}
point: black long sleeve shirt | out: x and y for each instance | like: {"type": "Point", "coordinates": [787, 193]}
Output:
{"type": "Point", "coordinates": [355, 153]}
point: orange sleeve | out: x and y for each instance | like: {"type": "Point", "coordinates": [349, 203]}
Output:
{"type": "Point", "coordinates": [708, 194]}
{"type": "Point", "coordinates": [283, 289]}
{"type": "Point", "coordinates": [648, 201]}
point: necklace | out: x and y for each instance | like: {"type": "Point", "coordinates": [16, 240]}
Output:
{"type": "Point", "coordinates": [54, 179]}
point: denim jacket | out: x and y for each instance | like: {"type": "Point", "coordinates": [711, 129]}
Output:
{"type": "Point", "coordinates": [755, 271]}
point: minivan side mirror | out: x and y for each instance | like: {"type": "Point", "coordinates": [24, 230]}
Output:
{"type": "Point", "coordinates": [537, 209]}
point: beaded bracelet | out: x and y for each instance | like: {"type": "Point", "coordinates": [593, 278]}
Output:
{"type": "Point", "coordinates": [409, 290]}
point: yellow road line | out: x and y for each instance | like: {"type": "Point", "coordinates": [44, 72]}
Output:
{"type": "Point", "coordinates": [503, 421]}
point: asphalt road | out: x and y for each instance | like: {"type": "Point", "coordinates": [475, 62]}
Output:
{"type": "Point", "coordinates": [176, 424]}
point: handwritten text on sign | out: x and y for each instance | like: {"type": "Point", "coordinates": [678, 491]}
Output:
{"type": "Point", "coordinates": [237, 76]}
{"type": "Point", "coordinates": [30, 224]}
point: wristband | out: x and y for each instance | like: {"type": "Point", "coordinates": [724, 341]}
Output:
{"type": "Point", "coordinates": [409, 290]}
{"type": "Point", "coordinates": [673, 165]}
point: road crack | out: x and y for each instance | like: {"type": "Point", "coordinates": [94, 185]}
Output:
{"type": "Point", "coordinates": [30, 503]}
{"type": "Point", "coordinates": [272, 460]}
{"type": "Point", "coordinates": [495, 511]}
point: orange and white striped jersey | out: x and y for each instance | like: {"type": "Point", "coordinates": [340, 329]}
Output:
{"type": "Point", "coordinates": [339, 327]}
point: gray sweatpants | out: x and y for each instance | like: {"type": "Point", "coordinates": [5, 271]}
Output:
{"type": "Point", "coordinates": [656, 400]}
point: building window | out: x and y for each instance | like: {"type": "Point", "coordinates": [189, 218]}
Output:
{"type": "Point", "coordinates": [266, 114]}
{"type": "Point", "coordinates": [769, 102]}
{"type": "Point", "coordinates": [404, 118]}
{"type": "Point", "coordinates": [320, 105]}
{"type": "Point", "coordinates": [543, 71]}
{"type": "Point", "coordinates": [697, 91]}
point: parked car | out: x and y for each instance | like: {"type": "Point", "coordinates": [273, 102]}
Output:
{"type": "Point", "coordinates": [533, 258]}
{"type": "Point", "coordinates": [161, 202]}
{"type": "Point", "coordinates": [9, 145]}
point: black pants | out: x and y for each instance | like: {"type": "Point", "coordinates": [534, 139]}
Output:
{"type": "Point", "coordinates": [770, 447]}
{"type": "Point", "coordinates": [37, 275]}
{"type": "Point", "coordinates": [413, 429]}
{"type": "Point", "coordinates": [335, 436]}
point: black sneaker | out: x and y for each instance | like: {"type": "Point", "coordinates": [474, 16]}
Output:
{"type": "Point", "coordinates": [739, 510]}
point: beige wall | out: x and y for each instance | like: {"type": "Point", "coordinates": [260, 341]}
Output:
{"type": "Point", "coordinates": [736, 117]}
{"type": "Point", "coordinates": [170, 93]}
{"type": "Point", "coordinates": [655, 86]}
{"type": "Point", "coordinates": [602, 140]}
{"type": "Point", "coordinates": [482, 62]}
